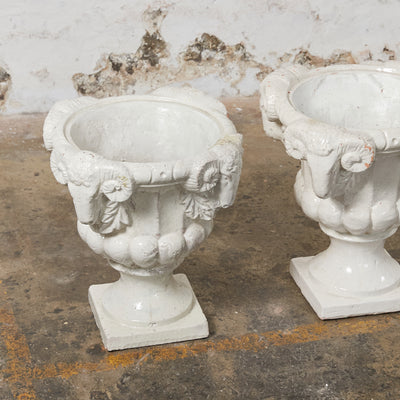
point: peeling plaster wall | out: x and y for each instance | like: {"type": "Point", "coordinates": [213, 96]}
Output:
{"type": "Point", "coordinates": [59, 49]}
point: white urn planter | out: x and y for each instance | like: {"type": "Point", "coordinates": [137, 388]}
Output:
{"type": "Point", "coordinates": [343, 123]}
{"type": "Point", "coordinates": [146, 174]}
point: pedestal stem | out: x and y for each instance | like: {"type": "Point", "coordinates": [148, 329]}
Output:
{"type": "Point", "coordinates": [355, 266]}
{"type": "Point", "coordinates": [147, 300]}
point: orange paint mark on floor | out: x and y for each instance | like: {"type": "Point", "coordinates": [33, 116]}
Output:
{"type": "Point", "coordinates": [20, 374]}
{"type": "Point", "coordinates": [18, 366]}
{"type": "Point", "coordinates": [250, 342]}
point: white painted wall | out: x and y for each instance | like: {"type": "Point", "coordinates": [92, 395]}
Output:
{"type": "Point", "coordinates": [44, 42]}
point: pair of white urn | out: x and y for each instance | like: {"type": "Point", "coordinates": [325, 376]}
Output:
{"type": "Point", "coordinates": [147, 173]}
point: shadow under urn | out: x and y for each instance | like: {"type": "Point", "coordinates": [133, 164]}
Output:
{"type": "Point", "coordinates": [146, 174]}
{"type": "Point", "coordinates": [343, 123]}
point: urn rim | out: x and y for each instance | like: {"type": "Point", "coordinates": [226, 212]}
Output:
{"type": "Point", "coordinates": [224, 125]}
{"type": "Point", "coordinates": [149, 173]}
{"type": "Point", "coordinates": [278, 102]}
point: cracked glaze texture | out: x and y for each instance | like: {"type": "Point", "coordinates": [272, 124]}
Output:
{"type": "Point", "coordinates": [146, 173]}
{"type": "Point", "coordinates": [343, 123]}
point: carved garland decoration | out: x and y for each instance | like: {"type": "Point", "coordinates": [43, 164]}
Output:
{"type": "Point", "coordinates": [200, 189]}
{"type": "Point", "coordinates": [119, 204]}
{"type": "Point", "coordinates": [355, 152]}
{"type": "Point", "coordinates": [111, 189]}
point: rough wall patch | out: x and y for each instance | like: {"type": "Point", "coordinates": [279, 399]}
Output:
{"type": "Point", "coordinates": [147, 68]}
{"type": "Point", "coordinates": [390, 54]}
{"type": "Point", "coordinates": [151, 65]}
{"type": "Point", "coordinates": [338, 57]}
{"type": "Point", "coordinates": [204, 48]}
{"type": "Point", "coordinates": [122, 71]}
{"type": "Point", "coordinates": [5, 84]}
{"type": "Point", "coordinates": [210, 55]}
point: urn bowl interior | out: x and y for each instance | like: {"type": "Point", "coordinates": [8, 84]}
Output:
{"type": "Point", "coordinates": [354, 99]}
{"type": "Point", "coordinates": [143, 130]}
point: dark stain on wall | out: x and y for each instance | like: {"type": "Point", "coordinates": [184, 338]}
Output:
{"type": "Point", "coordinates": [391, 55]}
{"type": "Point", "coordinates": [304, 57]}
{"type": "Point", "coordinates": [209, 47]}
{"type": "Point", "coordinates": [121, 71]}
{"type": "Point", "coordinates": [5, 84]}
{"type": "Point", "coordinates": [204, 47]}
{"type": "Point", "coordinates": [152, 48]}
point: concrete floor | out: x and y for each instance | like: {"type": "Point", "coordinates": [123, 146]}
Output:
{"type": "Point", "coordinates": [265, 341]}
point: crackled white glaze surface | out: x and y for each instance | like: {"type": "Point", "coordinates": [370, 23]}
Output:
{"type": "Point", "coordinates": [146, 174]}
{"type": "Point", "coordinates": [343, 123]}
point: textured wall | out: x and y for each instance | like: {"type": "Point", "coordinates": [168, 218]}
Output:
{"type": "Point", "coordinates": [55, 49]}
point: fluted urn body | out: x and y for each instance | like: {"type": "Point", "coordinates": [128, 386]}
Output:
{"type": "Point", "coordinates": [146, 174]}
{"type": "Point", "coordinates": [343, 123]}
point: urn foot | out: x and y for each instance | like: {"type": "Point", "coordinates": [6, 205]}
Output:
{"type": "Point", "coordinates": [117, 335]}
{"type": "Point", "coordinates": [336, 304]}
